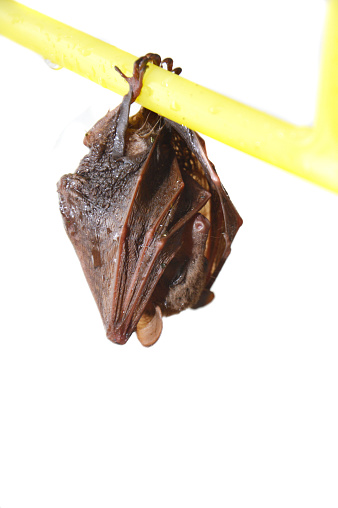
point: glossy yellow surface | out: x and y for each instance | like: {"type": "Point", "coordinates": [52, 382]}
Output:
{"type": "Point", "coordinates": [309, 152]}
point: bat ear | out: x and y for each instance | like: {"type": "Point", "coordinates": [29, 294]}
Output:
{"type": "Point", "coordinates": [149, 328]}
{"type": "Point", "coordinates": [205, 298]}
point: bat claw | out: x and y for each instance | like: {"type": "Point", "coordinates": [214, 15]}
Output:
{"type": "Point", "coordinates": [170, 63]}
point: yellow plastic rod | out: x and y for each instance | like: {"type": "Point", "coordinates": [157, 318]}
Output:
{"type": "Point", "coordinates": [309, 152]}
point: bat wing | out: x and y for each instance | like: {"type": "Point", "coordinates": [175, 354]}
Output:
{"type": "Point", "coordinates": [125, 247]}
{"type": "Point", "coordinates": [224, 219]}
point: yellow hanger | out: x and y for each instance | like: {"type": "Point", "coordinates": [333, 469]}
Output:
{"type": "Point", "coordinates": [309, 152]}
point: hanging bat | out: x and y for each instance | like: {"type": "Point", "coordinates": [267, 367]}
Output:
{"type": "Point", "coordinates": [147, 215]}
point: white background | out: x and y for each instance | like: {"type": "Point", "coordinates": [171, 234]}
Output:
{"type": "Point", "coordinates": [236, 405]}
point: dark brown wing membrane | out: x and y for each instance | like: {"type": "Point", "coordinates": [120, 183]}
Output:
{"type": "Point", "coordinates": [224, 219]}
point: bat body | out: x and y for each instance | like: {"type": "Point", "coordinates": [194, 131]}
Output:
{"type": "Point", "coordinates": [148, 217]}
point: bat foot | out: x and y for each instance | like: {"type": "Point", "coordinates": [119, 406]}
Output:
{"type": "Point", "coordinates": [140, 66]}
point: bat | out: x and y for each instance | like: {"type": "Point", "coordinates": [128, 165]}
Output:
{"type": "Point", "coordinates": [147, 215]}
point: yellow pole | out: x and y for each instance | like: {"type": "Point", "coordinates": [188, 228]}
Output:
{"type": "Point", "coordinates": [311, 153]}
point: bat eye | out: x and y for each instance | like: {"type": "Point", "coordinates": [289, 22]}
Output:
{"type": "Point", "coordinates": [180, 274]}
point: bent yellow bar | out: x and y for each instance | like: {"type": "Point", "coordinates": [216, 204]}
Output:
{"type": "Point", "coordinates": [311, 153]}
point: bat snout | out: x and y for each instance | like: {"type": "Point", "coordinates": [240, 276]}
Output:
{"type": "Point", "coordinates": [201, 224]}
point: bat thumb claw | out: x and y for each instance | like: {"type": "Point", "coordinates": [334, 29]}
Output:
{"type": "Point", "coordinates": [149, 328]}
